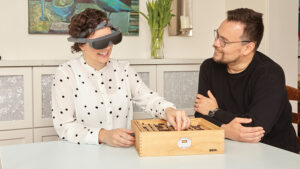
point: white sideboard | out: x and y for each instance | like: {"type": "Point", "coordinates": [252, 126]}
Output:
{"type": "Point", "coordinates": [25, 94]}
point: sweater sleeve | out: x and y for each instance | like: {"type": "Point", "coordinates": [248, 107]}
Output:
{"type": "Point", "coordinates": [204, 84]}
{"type": "Point", "coordinates": [268, 100]}
{"type": "Point", "coordinates": [145, 98]}
{"type": "Point", "coordinates": [63, 113]}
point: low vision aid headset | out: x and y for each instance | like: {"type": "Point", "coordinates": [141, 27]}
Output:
{"type": "Point", "coordinates": [102, 42]}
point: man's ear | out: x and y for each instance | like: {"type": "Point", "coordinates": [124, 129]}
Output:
{"type": "Point", "coordinates": [249, 48]}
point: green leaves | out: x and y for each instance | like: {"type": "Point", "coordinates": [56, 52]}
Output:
{"type": "Point", "coordinates": [159, 13]}
{"type": "Point", "coordinates": [159, 16]}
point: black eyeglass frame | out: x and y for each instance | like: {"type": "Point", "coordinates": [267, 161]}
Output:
{"type": "Point", "coordinates": [217, 37]}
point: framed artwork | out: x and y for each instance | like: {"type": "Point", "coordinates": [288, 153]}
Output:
{"type": "Point", "coordinates": [53, 16]}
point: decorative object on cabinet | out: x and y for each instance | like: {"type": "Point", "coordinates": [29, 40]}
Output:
{"type": "Point", "coordinates": [181, 24]}
{"type": "Point", "coordinates": [159, 16]}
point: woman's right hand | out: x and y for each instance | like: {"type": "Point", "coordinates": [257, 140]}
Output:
{"type": "Point", "coordinates": [116, 137]}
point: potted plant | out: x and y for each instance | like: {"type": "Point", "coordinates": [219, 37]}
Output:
{"type": "Point", "coordinates": [159, 16]}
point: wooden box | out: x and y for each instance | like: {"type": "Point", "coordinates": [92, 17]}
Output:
{"type": "Point", "coordinates": [155, 138]}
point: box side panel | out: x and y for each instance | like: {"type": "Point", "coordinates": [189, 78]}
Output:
{"type": "Point", "coordinates": [183, 143]}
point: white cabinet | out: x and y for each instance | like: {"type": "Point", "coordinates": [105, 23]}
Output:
{"type": "Point", "coordinates": [179, 84]}
{"type": "Point", "coordinates": [15, 98]}
{"type": "Point", "coordinates": [16, 137]}
{"type": "Point", "coordinates": [42, 82]}
{"type": "Point", "coordinates": [25, 94]}
{"type": "Point", "coordinates": [45, 134]}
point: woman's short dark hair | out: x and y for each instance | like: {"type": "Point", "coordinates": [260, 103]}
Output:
{"type": "Point", "coordinates": [254, 27]}
{"type": "Point", "coordinates": [89, 18]}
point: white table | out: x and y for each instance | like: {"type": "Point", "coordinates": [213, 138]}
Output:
{"type": "Point", "coordinates": [64, 155]}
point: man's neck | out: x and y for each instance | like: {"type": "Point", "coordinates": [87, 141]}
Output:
{"type": "Point", "coordinates": [240, 65]}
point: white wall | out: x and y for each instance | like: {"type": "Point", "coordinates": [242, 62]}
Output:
{"type": "Point", "coordinates": [17, 44]}
{"type": "Point", "coordinates": [257, 5]}
{"type": "Point", "coordinates": [283, 36]}
{"type": "Point", "coordinates": [280, 40]}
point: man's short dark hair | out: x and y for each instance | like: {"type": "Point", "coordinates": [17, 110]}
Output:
{"type": "Point", "coordinates": [254, 27]}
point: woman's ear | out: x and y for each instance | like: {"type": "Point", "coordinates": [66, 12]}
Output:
{"type": "Point", "coordinates": [82, 46]}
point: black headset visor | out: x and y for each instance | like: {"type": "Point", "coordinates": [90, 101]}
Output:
{"type": "Point", "coordinates": [102, 42]}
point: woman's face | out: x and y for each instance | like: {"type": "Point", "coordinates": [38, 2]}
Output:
{"type": "Point", "coordinates": [97, 57]}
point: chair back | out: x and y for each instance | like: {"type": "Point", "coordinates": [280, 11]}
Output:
{"type": "Point", "coordinates": [294, 94]}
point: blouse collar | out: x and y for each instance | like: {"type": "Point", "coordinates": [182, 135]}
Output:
{"type": "Point", "coordinates": [91, 69]}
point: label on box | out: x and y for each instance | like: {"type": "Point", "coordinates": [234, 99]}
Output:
{"type": "Point", "coordinates": [184, 143]}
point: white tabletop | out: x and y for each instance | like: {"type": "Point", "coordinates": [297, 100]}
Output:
{"type": "Point", "coordinates": [64, 155]}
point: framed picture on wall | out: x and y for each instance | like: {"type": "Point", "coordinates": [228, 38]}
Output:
{"type": "Point", "coordinates": [53, 16]}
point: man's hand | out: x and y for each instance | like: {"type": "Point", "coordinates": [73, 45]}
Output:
{"type": "Point", "coordinates": [235, 131]}
{"type": "Point", "coordinates": [204, 104]}
{"type": "Point", "coordinates": [116, 137]}
{"type": "Point", "coordinates": [178, 119]}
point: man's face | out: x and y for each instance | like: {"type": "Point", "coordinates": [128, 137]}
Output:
{"type": "Point", "coordinates": [227, 53]}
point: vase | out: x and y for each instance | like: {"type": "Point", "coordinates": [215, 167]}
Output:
{"type": "Point", "coordinates": [157, 44]}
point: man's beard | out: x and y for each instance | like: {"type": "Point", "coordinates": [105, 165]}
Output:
{"type": "Point", "coordinates": [223, 61]}
{"type": "Point", "coordinates": [220, 60]}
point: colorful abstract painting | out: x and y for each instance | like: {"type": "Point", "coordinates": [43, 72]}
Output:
{"type": "Point", "coordinates": [53, 16]}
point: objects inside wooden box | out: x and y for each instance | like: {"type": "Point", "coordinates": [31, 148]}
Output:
{"type": "Point", "coordinates": [156, 138]}
{"type": "Point", "coordinates": [164, 126]}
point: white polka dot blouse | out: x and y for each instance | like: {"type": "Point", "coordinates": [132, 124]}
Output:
{"type": "Point", "coordinates": [84, 100]}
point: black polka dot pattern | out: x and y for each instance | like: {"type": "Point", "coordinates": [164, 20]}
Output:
{"type": "Point", "coordinates": [92, 97]}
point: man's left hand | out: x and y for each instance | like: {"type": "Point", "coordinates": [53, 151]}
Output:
{"type": "Point", "coordinates": [204, 104]}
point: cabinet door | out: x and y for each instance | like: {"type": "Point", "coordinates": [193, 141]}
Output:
{"type": "Point", "coordinates": [15, 98]}
{"type": "Point", "coordinates": [42, 84]}
{"type": "Point", "coordinates": [45, 134]}
{"type": "Point", "coordinates": [179, 85]}
{"type": "Point", "coordinates": [148, 75]}
{"type": "Point", "coordinates": [16, 137]}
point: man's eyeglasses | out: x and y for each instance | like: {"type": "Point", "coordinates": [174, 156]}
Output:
{"type": "Point", "coordinates": [223, 42]}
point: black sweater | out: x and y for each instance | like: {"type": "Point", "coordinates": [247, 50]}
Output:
{"type": "Point", "coordinates": [258, 92]}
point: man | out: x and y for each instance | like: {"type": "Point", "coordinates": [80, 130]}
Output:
{"type": "Point", "coordinates": [243, 90]}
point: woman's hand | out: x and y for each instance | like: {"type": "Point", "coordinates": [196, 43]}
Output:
{"type": "Point", "coordinates": [116, 137]}
{"type": "Point", "coordinates": [177, 118]}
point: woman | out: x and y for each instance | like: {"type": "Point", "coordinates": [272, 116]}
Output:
{"type": "Point", "coordinates": [92, 95]}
